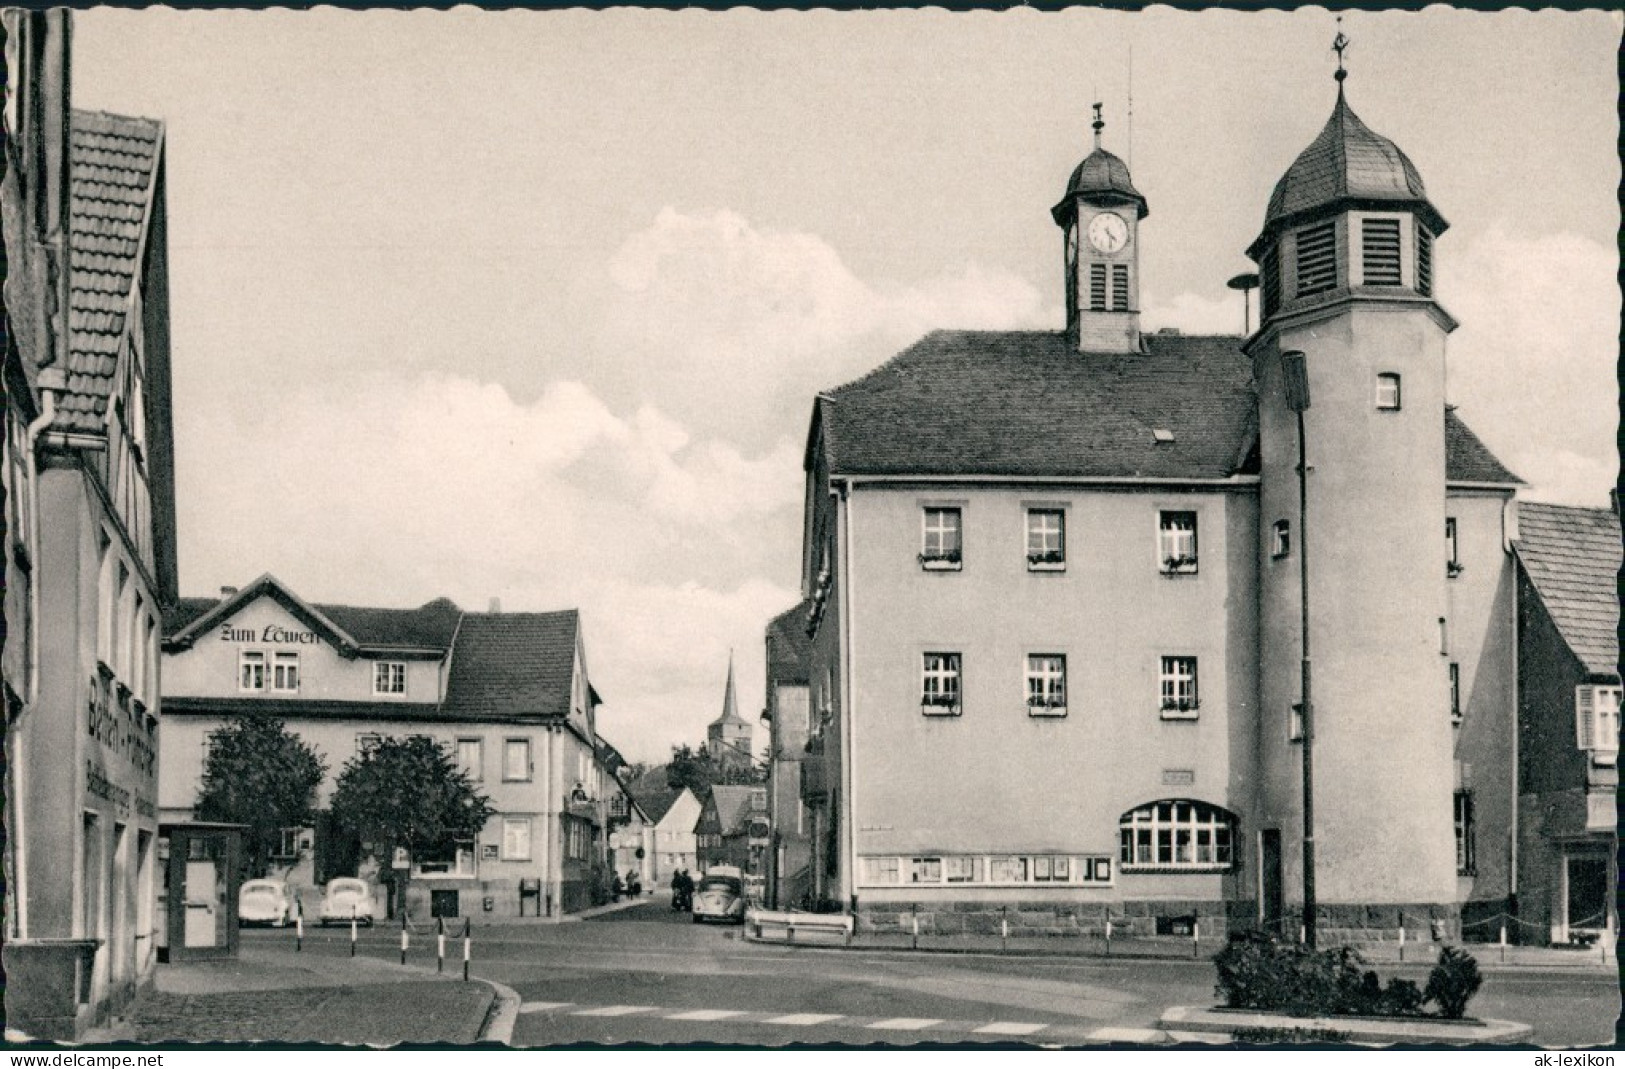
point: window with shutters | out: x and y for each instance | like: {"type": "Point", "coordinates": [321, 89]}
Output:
{"type": "Point", "coordinates": [1097, 287]}
{"type": "Point", "coordinates": [1379, 250]}
{"type": "Point", "coordinates": [1272, 280]}
{"type": "Point", "coordinates": [1317, 259]}
{"type": "Point", "coordinates": [1596, 717]}
{"type": "Point", "coordinates": [1424, 261]}
{"type": "Point", "coordinates": [1119, 287]}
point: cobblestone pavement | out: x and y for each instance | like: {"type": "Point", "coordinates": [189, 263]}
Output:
{"type": "Point", "coordinates": [409, 1012]}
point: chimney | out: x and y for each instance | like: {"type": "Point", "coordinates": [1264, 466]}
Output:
{"type": "Point", "coordinates": [496, 605]}
{"type": "Point", "coordinates": [228, 592]}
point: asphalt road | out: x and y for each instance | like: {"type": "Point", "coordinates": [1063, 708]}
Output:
{"type": "Point", "coordinates": [647, 975]}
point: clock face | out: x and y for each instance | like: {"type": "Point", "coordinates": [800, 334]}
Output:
{"type": "Point", "coordinates": [1108, 232]}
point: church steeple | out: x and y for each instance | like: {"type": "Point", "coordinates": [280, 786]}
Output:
{"type": "Point", "coordinates": [729, 738]}
{"type": "Point", "coordinates": [1100, 216]}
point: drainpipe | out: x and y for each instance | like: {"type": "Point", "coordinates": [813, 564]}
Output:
{"type": "Point", "coordinates": [51, 380]}
{"type": "Point", "coordinates": [849, 687]}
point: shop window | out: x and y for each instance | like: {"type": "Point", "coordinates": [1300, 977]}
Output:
{"type": "Point", "coordinates": [1176, 835]}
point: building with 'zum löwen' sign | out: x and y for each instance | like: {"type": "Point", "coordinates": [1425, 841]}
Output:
{"type": "Point", "coordinates": [1055, 659]}
{"type": "Point", "coordinates": [507, 693]}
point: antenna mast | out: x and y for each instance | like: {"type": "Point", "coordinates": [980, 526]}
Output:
{"type": "Point", "coordinates": [1131, 108]}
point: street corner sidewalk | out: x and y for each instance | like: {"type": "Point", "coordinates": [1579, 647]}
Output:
{"type": "Point", "coordinates": [615, 907]}
{"type": "Point", "coordinates": [274, 996]}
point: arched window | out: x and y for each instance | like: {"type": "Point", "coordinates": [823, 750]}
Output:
{"type": "Point", "coordinates": [1176, 834]}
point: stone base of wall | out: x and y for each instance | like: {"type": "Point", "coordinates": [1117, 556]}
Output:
{"type": "Point", "coordinates": [1026, 919]}
{"type": "Point", "coordinates": [1339, 924]}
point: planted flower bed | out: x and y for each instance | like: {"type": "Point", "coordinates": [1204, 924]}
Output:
{"type": "Point", "coordinates": [1259, 971]}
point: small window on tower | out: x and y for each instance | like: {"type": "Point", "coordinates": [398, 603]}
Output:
{"type": "Point", "coordinates": [1119, 287]}
{"type": "Point", "coordinates": [1097, 287]}
{"type": "Point", "coordinates": [1271, 280]}
{"type": "Point", "coordinates": [1379, 249]}
{"type": "Point", "coordinates": [1424, 261]}
{"type": "Point", "coordinates": [1282, 546]}
{"type": "Point", "coordinates": [1317, 259]}
{"type": "Point", "coordinates": [1388, 392]}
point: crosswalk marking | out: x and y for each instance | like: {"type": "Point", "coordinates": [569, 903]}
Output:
{"type": "Point", "coordinates": [541, 1007]}
{"type": "Point", "coordinates": [704, 1015]}
{"type": "Point", "coordinates": [1125, 1035]}
{"type": "Point", "coordinates": [804, 1018]}
{"type": "Point", "coordinates": [1011, 1028]}
{"type": "Point", "coordinates": [614, 1011]}
{"type": "Point", "coordinates": [906, 1024]}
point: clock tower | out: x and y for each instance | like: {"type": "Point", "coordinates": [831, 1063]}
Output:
{"type": "Point", "coordinates": [1100, 218]}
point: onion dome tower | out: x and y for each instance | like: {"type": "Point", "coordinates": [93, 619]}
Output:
{"type": "Point", "coordinates": [1100, 217]}
{"type": "Point", "coordinates": [1346, 259]}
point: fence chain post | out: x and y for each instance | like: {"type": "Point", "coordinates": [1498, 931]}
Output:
{"type": "Point", "coordinates": [914, 913]}
{"type": "Point", "coordinates": [298, 925]}
{"type": "Point", "coordinates": [1108, 931]}
{"type": "Point", "coordinates": [468, 928]}
{"type": "Point", "coordinates": [1503, 942]}
{"type": "Point", "coordinates": [404, 937]}
{"type": "Point", "coordinates": [440, 947]}
{"type": "Point", "coordinates": [352, 930]}
{"type": "Point", "coordinates": [1196, 938]}
{"type": "Point", "coordinates": [1004, 927]}
{"type": "Point", "coordinates": [1402, 939]}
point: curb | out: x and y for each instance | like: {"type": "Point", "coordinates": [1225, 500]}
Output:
{"type": "Point", "coordinates": [1353, 1030]}
{"type": "Point", "coordinates": [503, 1014]}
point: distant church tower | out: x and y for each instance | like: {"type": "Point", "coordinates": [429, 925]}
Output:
{"type": "Point", "coordinates": [1100, 218]}
{"type": "Point", "coordinates": [1346, 265]}
{"type": "Point", "coordinates": [729, 739]}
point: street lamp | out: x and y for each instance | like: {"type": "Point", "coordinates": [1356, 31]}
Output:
{"type": "Point", "coordinates": [1295, 379]}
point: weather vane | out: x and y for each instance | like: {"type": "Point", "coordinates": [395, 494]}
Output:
{"type": "Point", "coordinates": [1099, 124]}
{"type": "Point", "coordinates": [1339, 45]}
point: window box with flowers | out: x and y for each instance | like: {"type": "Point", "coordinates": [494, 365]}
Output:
{"type": "Point", "coordinates": [939, 705]}
{"type": "Point", "coordinates": [1180, 708]}
{"type": "Point", "coordinates": [941, 562]}
{"type": "Point", "coordinates": [1046, 706]}
{"type": "Point", "coordinates": [1048, 560]}
{"type": "Point", "coordinates": [1179, 565]}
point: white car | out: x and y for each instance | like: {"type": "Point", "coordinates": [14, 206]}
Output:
{"type": "Point", "coordinates": [346, 897]}
{"type": "Point", "coordinates": [264, 902]}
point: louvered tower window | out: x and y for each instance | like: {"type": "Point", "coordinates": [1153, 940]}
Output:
{"type": "Point", "coordinates": [1379, 248]}
{"type": "Point", "coordinates": [1272, 280]}
{"type": "Point", "coordinates": [1097, 287]}
{"type": "Point", "coordinates": [1424, 261]}
{"type": "Point", "coordinates": [1317, 259]}
{"type": "Point", "coordinates": [1119, 287]}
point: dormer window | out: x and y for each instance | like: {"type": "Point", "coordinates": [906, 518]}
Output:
{"type": "Point", "coordinates": [1317, 258]}
{"type": "Point", "coordinates": [1379, 251]}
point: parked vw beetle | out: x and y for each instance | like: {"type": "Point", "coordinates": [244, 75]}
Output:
{"type": "Point", "coordinates": [719, 897]}
{"type": "Point", "coordinates": [264, 902]}
{"type": "Point", "coordinates": [345, 897]}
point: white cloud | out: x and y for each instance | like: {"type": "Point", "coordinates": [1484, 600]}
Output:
{"type": "Point", "coordinates": [1533, 365]}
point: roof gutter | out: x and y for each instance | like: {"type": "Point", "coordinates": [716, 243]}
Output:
{"type": "Point", "coordinates": [852, 481]}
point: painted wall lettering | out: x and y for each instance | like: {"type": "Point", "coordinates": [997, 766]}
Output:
{"type": "Point", "coordinates": [275, 634]}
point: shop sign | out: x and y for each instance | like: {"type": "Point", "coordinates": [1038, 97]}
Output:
{"type": "Point", "coordinates": [271, 634]}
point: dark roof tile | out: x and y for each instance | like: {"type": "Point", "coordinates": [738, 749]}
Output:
{"type": "Point", "coordinates": [1572, 557]}
{"type": "Point", "coordinates": [789, 650]}
{"type": "Point", "coordinates": [520, 663]}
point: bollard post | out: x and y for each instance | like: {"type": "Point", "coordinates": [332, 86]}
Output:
{"type": "Point", "coordinates": [467, 936]}
{"type": "Point", "coordinates": [405, 938]}
{"type": "Point", "coordinates": [1108, 933]}
{"type": "Point", "coordinates": [1503, 943]}
{"type": "Point", "coordinates": [789, 932]}
{"type": "Point", "coordinates": [352, 931]}
{"type": "Point", "coordinates": [1004, 927]}
{"type": "Point", "coordinates": [1402, 941]}
{"type": "Point", "coordinates": [914, 913]}
{"type": "Point", "coordinates": [298, 925]}
{"type": "Point", "coordinates": [440, 947]}
{"type": "Point", "coordinates": [1196, 938]}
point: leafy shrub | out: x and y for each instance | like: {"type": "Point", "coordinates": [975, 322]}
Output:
{"type": "Point", "coordinates": [1257, 971]}
{"type": "Point", "coordinates": [1273, 1036]}
{"type": "Point", "coordinates": [1453, 982]}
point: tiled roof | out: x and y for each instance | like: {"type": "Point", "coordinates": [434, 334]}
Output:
{"type": "Point", "coordinates": [114, 161]}
{"type": "Point", "coordinates": [1348, 162]}
{"type": "Point", "coordinates": [1572, 556]}
{"type": "Point", "coordinates": [429, 626]}
{"type": "Point", "coordinates": [1104, 176]}
{"type": "Point", "coordinates": [1028, 404]}
{"type": "Point", "coordinates": [789, 650]}
{"type": "Point", "coordinates": [513, 662]}
{"type": "Point", "coordinates": [734, 805]}
{"type": "Point", "coordinates": [655, 802]}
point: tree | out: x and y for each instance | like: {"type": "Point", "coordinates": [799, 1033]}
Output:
{"type": "Point", "coordinates": [408, 793]}
{"type": "Point", "coordinates": [260, 774]}
{"type": "Point", "coordinates": [692, 769]}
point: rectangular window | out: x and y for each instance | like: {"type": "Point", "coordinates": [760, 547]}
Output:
{"type": "Point", "coordinates": [1424, 261]}
{"type": "Point", "coordinates": [1317, 259]}
{"type": "Point", "coordinates": [880, 870]}
{"type": "Point", "coordinates": [1046, 684]}
{"type": "Point", "coordinates": [925, 870]}
{"type": "Point", "coordinates": [1120, 287]}
{"type": "Point", "coordinates": [516, 759]}
{"type": "Point", "coordinates": [1052, 869]}
{"type": "Point", "coordinates": [287, 844]}
{"type": "Point", "coordinates": [939, 684]}
{"type": "Point", "coordinates": [962, 869]}
{"type": "Point", "coordinates": [941, 540]}
{"type": "Point", "coordinates": [367, 742]}
{"type": "Point", "coordinates": [251, 670]}
{"type": "Point", "coordinates": [1176, 543]}
{"type": "Point", "coordinates": [1466, 859]}
{"type": "Point", "coordinates": [1281, 539]}
{"type": "Point", "coordinates": [389, 677]}
{"type": "Point", "coordinates": [1046, 540]}
{"type": "Point", "coordinates": [1294, 723]}
{"type": "Point", "coordinates": [516, 838]}
{"type": "Point", "coordinates": [1452, 562]}
{"type": "Point", "coordinates": [1097, 287]}
{"type": "Point", "coordinates": [471, 759]}
{"type": "Point", "coordinates": [1007, 870]}
{"type": "Point", "coordinates": [1379, 249]}
{"type": "Point", "coordinates": [1455, 693]}
{"type": "Point", "coordinates": [1388, 392]}
{"type": "Point", "coordinates": [1597, 721]}
{"type": "Point", "coordinates": [1178, 684]}
{"type": "Point", "coordinates": [285, 672]}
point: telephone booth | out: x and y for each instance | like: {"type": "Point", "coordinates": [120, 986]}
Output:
{"type": "Point", "coordinates": [203, 865]}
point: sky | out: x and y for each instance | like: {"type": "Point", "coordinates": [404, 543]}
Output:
{"type": "Point", "coordinates": [533, 305]}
